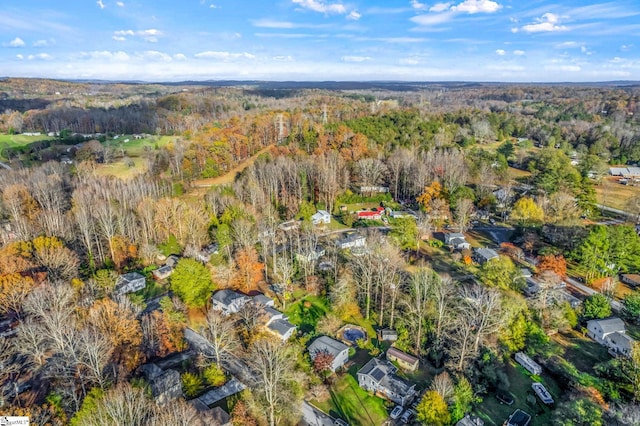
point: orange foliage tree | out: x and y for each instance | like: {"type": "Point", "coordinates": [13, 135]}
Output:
{"type": "Point", "coordinates": [431, 192]}
{"type": "Point", "coordinates": [123, 251]}
{"type": "Point", "coordinates": [16, 257]}
{"type": "Point", "coordinates": [555, 263]}
{"type": "Point", "coordinates": [14, 288]}
{"type": "Point", "coordinates": [250, 270]}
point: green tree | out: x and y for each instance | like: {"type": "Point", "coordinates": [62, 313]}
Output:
{"type": "Point", "coordinates": [432, 410]}
{"type": "Point", "coordinates": [223, 236]}
{"type": "Point", "coordinates": [631, 307]}
{"type": "Point", "coordinates": [192, 384]}
{"type": "Point", "coordinates": [214, 375]}
{"type": "Point", "coordinates": [506, 149]}
{"type": "Point", "coordinates": [596, 306]}
{"type": "Point", "coordinates": [527, 212]}
{"type": "Point", "coordinates": [191, 282]}
{"type": "Point", "coordinates": [578, 412]}
{"type": "Point", "coordinates": [500, 272]}
{"type": "Point", "coordinates": [463, 398]}
{"type": "Point", "coordinates": [404, 232]}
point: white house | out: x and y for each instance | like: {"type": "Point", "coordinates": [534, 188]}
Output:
{"type": "Point", "coordinates": [484, 255]}
{"type": "Point", "coordinates": [611, 333]}
{"type": "Point", "coordinates": [321, 216]}
{"type": "Point", "coordinates": [129, 283]}
{"type": "Point", "coordinates": [338, 350]}
{"type": "Point", "coordinates": [351, 240]}
{"type": "Point", "coordinates": [379, 376]}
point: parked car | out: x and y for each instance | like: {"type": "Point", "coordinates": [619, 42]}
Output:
{"type": "Point", "coordinates": [504, 398]}
{"type": "Point", "coordinates": [396, 412]}
{"type": "Point", "coordinates": [408, 416]}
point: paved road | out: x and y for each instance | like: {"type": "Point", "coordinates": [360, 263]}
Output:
{"type": "Point", "coordinates": [615, 305]}
{"type": "Point", "coordinates": [616, 211]}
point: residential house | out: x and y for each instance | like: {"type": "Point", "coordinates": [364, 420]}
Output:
{"type": "Point", "coordinates": [351, 240]}
{"type": "Point", "coordinates": [470, 420]}
{"type": "Point", "coordinates": [311, 256]}
{"type": "Point", "coordinates": [338, 350]}
{"type": "Point", "coordinates": [374, 189]}
{"type": "Point", "coordinates": [162, 272]}
{"type": "Point", "coordinates": [231, 387]}
{"type": "Point", "coordinates": [172, 260]}
{"type": "Point", "coordinates": [289, 225]}
{"type": "Point", "coordinates": [321, 216]}
{"type": "Point", "coordinates": [632, 280]}
{"type": "Point", "coordinates": [611, 332]}
{"type": "Point", "coordinates": [205, 254]}
{"type": "Point", "coordinates": [456, 240]}
{"type": "Point", "coordinates": [370, 214]}
{"type": "Point", "coordinates": [484, 255]}
{"type": "Point", "coordinates": [129, 283]}
{"type": "Point", "coordinates": [165, 385]}
{"type": "Point", "coordinates": [228, 301]}
{"type": "Point", "coordinates": [379, 376]}
{"type": "Point", "coordinates": [282, 328]}
{"type": "Point", "coordinates": [387, 335]}
{"type": "Point", "coordinates": [404, 360]}
{"type": "Point", "coordinates": [396, 214]}
{"type": "Point", "coordinates": [262, 300]}
{"type": "Point", "coordinates": [313, 416]}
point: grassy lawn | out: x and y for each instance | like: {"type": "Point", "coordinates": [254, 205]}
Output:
{"type": "Point", "coordinates": [495, 413]}
{"type": "Point", "coordinates": [121, 169]}
{"type": "Point", "coordinates": [135, 147]}
{"type": "Point", "coordinates": [581, 351]}
{"type": "Point", "coordinates": [351, 403]}
{"type": "Point", "coordinates": [613, 194]}
{"type": "Point", "coordinates": [19, 140]}
{"type": "Point", "coordinates": [306, 318]}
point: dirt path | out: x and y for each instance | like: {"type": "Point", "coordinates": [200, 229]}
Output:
{"type": "Point", "coordinates": [199, 186]}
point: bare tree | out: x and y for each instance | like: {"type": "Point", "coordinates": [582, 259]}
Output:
{"type": "Point", "coordinates": [417, 304]}
{"type": "Point", "coordinates": [463, 212]}
{"type": "Point", "coordinates": [443, 384]}
{"type": "Point", "coordinates": [273, 364]}
{"type": "Point", "coordinates": [219, 332]}
{"type": "Point", "coordinates": [485, 305]}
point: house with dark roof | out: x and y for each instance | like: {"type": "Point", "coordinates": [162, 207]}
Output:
{"type": "Point", "coordinates": [326, 344]}
{"type": "Point", "coordinates": [404, 360]}
{"type": "Point", "coordinates": [470, 420]}
{"type": "Point", "coordinates": [611, 332]}
{"type": "Point", "coordinates": [165, 385]}
{"type": "Point", "coordinates": [129, 283]}
{"type": "Point", "coordinates": [228, 301]}
{"type": "Point", "coordinates": [162, 272]}
{"type": "Point", "coordinates": [456, 240]}
{"type": "Point", "coordinates": [231, 387]}
{"type": "Point", "coordinates": [282, 328]}
{"type": "Point", "coordinates": [205, 254]}
{"type": "Point", "coordinates": [379, 376]}
{"type": "Point", "coordinates": [633, 280]}
{"type": "Point", "coordinates": [484, 255]}
{"type": "Point", "coordinates": [518, 418]}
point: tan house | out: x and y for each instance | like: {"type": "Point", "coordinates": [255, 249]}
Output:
{"type": "Point", "coordinates": [404, 360]}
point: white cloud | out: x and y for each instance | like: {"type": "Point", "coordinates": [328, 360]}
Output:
{"type": "Point", "coordinates": [43, 43]}
{"type": "Point", "coordinates": [585, 50]}
{"type": "Point", "coordinates": [433, 19]}
{"type": "Point", "coordinates": [501, 52]}
{"type": "Point", "coordinates": [549, 22]}
{"type": "Point", "coordinates": [355, 58]}
{"type": "Point", "coordinates": [417, 5]}
{"type": "Point", "coordinates": [626, 47]}
{"type": "Point", "coordinates": [19, 56]}
{"type": "Point", "coordinates": [354, 15]}
{"type": "Point", "coordinates": [124, 33]}
{"type": "Point", "coordinates": [180, 57]}
{"type": "Point", "coordinates": [565, 68]}
{"type": "Point", "coordinates": [151, 35]}
{"type": "Point", "coordinates": [100, 4]}
{"type": "Point", "coordinates": [282, 58]}
{"type": "Point", "coordinates": [567, 45]}
{"type": "Point", "coordinates": [440, 7]}
{"type": "Point", "coordinates": [16, 42]}
{"type": "Point", "coordinates": [519, 52]}
{"type": "Point", "coordinates": [154, 55]}
{"type": "Point", "coordinates": [120, 4]}
{"type": "Point", "coordinates": [213, 6]}
{"type": "Point", "coordinates": [409, 61]}
{"type": "Point", "coordinates": [117, 56]}
{"type": "Point", "coordinates": [119, 38]}
{"type": "Point", "coordinates": [477, 6]}
{"type": "Point", "coordinates": [321, 7]}
{"type": "Point", "coordinates": [41, 56]}
{"type": "Point", "coordinates": [225, 56]}
{"type": "Point", "coordinates": [269, 23]}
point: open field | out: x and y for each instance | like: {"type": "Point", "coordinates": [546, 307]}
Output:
{"type": "Point", "coordinates": [135, 147]}
{"type": "Point", "coordinates": [613, 194]}
{"type": "Point", "coordinates": [306, 317]}
{"type": "Point", "coordinates": [121, 169]}
{"type": "Point", "coordinates": [19, 140]}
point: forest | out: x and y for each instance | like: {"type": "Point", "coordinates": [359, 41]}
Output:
{"type": "Point", "coordinates": [370, 208]}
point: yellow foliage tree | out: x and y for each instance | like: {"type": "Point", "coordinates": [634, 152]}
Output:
{"type": "Point", "coordinates": [430, 193]}
{"type": "Point", "coordinates": [526, 211]}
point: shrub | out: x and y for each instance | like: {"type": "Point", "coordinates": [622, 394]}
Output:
{"type": "Point", "coordinates": [192, 385]}
{"type": "Point", "coordinates": [214, 375]}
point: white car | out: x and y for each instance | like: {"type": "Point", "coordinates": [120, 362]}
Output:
{"type": "Point", "coordinates": [396, 412]}
{"type": "Point", "coordinates": [408, 416]}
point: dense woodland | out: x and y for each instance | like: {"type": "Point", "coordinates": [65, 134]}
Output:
{"type": "Point", "coordinates": [447, 152]}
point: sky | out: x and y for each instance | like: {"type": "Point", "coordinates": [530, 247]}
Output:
{"type": "Point", "coordinates": [317, 40]}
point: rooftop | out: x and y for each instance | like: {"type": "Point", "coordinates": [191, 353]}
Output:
{"type": "Point", "coordinates": [326, 343]}
{"type": "Point", "coordinates": [609, 325]}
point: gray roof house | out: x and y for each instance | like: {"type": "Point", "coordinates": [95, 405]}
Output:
{"type": "Point", "coordinates": [339, 350]}
{"type": "Point", "coordinates": [456, 240]}
{"type": "Point", "coordinates": [378, 376]}
{"type": "Point", "coordinates": [263, 300]}
{"type": "Point", "coordinates": [228, 301]}
{"type": "Point", "coordinates": [165, 385]}
{"type": "Point", "coordinates": [282, 328]}
{"type": "Point", "coordinates": [321, 216]}
{"type": "Point", "coordinates": [162, 272]}
{"type": "Point", "coordinates": [129, 283]}
{"type": "Point", "coordinates": [205, 254]}
{"type": "Point", "coordinates": [611, 332]}
{"type": "Point", "coordinates": [311, 256]}
{"type": "Point", "coordinates": [484, 255]}
{"type": "Point", "coordinates": [351, 240]}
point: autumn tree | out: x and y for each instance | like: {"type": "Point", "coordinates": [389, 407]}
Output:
{"type": "Point", "coordinates": [431, 192]}
{"type": "Point", "coordinates": [555, 263]}
{"type": "Point", "coordinates": [14, 288]}
{"type": "Point", "coordinates": [220, 333]}
{"type": "Point", "coordinates": [59, 261]}
{"type": "Point", "coordinates": [191, 281]}
{"type": "Point", "coordinates": [527, 212]}
{"type": "Point", "coordinates": [250, 270]}
{"type": "Point", "coordinates": [322, 362]}
{"type": "Point", "coordinates": [500, 272]}
{"type": "Point", "coordinates": [432, 410]}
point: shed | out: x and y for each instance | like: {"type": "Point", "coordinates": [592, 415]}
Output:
{"type": "Point", "coordinates": [530, 365]}
{"type": "Point", "coordinates": [387, 335]}
{"type": "Point", "coordinates": [404, 360]}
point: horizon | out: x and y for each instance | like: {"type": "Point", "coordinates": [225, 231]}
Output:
{"type": "Point", "coordinates": [485, 41]}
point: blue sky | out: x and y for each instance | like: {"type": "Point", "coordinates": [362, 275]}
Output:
{"type": "Point", "coordinates": [473, 40]}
